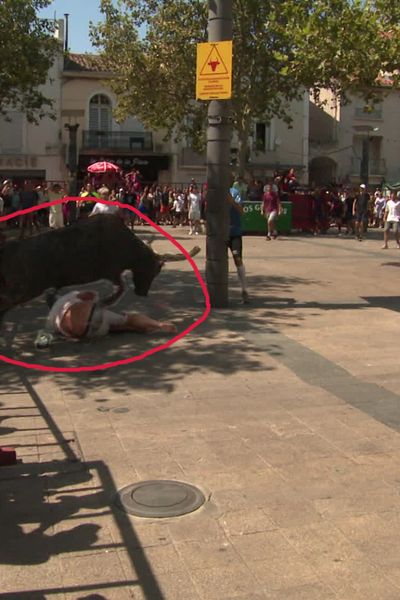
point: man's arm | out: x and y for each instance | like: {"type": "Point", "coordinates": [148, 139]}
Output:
{"type": "Point", "coordinates": [236, 205]}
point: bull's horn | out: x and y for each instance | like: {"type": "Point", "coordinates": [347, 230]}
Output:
{"type": "Point", "coordinates": [178, 256]}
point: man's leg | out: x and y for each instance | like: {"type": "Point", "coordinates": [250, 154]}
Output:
{"type": "Point", "coordinates": [22, 219]}
{"type": "Point", "coordinates": [271, 224]}
{"type": "Point", "coordinates": [359, 228]}
{"type": "Point", "coordinates": [143, 324]}
{"type": "Point", "coordinates": [386, 236]}
{"type": "Point", "coordinates": [29, 217]}
{"type": "Point", "coordinates": [105, 321]}
{"type": "Point", "coordinates": [236, 247]}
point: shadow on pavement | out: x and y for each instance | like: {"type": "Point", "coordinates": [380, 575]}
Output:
{"type": "Point", "coordinates": [41, 502]}
{"type": "Point", "coordinates": [176, 296]}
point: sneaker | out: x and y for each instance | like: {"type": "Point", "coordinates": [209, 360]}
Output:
{"type": "Point", "coordinates": [43, 340]}
{"type": "Point", "coordinates": [196, 233]}
{"type": "Point", "coordinates": [268, 238]}
{"type": "Point", "coordinates": [245, 297]}
{"type": "Point", "coordinates": [190, 232]}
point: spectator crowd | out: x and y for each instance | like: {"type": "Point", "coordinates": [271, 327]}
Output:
{"type": "Point", "coordinates": [350, 210]}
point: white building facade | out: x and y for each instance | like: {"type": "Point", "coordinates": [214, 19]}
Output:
{"type": "Point", "coordinates": [334, 144]}
{"type": "Point", "coordinates": [357, 141]}
{"type": "Point", "coordinates": [35, 152]}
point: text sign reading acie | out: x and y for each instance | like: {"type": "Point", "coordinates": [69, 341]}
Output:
{"type": "Point", "coordinates": [214, 71]}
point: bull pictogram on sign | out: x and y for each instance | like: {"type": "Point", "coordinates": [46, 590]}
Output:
{"type": "Point", "coordinates": [214, 63]}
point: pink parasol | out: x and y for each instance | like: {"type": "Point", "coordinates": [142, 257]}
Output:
{"type": "Point", "coordinates": [103, 167]}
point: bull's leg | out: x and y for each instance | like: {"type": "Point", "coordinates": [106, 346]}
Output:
{"type": "Point", "coordinates": [51, 297]}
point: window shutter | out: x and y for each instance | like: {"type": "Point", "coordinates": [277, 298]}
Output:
{"type": "Point", "coordinates": [100, 113]}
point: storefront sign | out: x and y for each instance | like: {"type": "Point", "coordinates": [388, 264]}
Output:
{"type": "Point", "coordinates": [18, 162]}
{"type": "Point", "coordinates": [126, 162]}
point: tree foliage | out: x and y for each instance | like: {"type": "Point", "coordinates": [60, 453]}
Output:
{"type": "Point", "coordinates": [281, 48]}
{"type": "Point", "coordinates": [27, 49]}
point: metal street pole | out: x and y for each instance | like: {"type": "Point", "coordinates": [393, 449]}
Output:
{"type": "Point", "coordinates": [364, 175]}
{"type": "Point", "coordinates": [72, 165]}
{"type": "Point", "coordinates": [218, 171]}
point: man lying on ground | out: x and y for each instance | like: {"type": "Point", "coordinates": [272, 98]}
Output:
{"type": "Point", "coordinates": [80, 315]}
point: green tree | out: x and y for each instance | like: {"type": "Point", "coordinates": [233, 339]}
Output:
{"type": "Point", "coordinates": [27, 50]}
{"type": "Point", "coordinates": [281, 48]}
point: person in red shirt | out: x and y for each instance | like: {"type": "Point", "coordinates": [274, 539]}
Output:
{"type": "Point", "coordinates": [271, 209]}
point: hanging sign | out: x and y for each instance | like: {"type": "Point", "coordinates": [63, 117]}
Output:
{"type": "Point", "coordinates": [214, 71]}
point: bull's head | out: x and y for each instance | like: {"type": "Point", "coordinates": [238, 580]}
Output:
{"type": "Point", "coordinates": [143, 279]}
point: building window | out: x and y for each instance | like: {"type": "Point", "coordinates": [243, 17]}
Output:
{"type": "Point", "coordinates": [262, 135]}
{"type": "Point", "coordinates": [100, 113]}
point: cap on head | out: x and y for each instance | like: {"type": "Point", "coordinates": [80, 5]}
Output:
{"type": "Point", "coordinates": [363, 186]}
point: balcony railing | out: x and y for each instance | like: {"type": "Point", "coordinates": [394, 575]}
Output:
{"type": "Point", "coordinates": [118, 140]}
{"type": "Point", "coordinates": [375, 167]}
{"type": "Point", "coordinates": [361, 113]}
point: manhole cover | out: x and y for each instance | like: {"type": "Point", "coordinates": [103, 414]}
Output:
{"type": "Point", "coordinates": [160, 498]}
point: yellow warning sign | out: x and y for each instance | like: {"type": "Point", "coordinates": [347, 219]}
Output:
{"type": "Point", "coordinates": [214, 71]}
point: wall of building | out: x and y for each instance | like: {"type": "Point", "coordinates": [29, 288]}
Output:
{"type": "Point", "coordinates": [285, 147]}
{"type": "Point", "coordinates": [34, 151]}
{"type": "Point", "coordinates": [382, 126]}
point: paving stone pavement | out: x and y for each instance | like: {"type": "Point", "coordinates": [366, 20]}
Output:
{"type": "Point", "coordinates": [285, 413]}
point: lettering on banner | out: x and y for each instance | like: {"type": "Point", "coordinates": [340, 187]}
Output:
{"type": "Point", "coordinates": [250, 208]}
{"type": "Point", "coordinates": [18, 162]}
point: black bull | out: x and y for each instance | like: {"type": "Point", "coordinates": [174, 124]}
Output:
{"type": "Point", "coordinates": [100, 247]}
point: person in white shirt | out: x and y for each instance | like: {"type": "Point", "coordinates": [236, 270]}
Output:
{"type": "Point", "coordinates": [178, 207]}
{"type": "Point", "coordinates": [392, 219]}
{"type": "Point", "coordinates": [194, 201]}
{"type": "Point", "coordinates": [379, 208]}
{"type": "Point", "coordinates": [104, 209]}
{"type": "Point", "coordinates": [56, 217]}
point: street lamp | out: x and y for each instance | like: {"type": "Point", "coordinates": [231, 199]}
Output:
{"type": "Point", "coordinates": [366, 140]}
